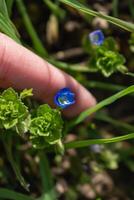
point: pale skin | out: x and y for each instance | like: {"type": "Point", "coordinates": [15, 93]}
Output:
{"type": "Point", "coordinates": [20, 68]}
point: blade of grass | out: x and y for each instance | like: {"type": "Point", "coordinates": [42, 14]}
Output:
{"type": "Point", "coordinates": [47, 181]}
{"type": "Point", "coordinates": [8, 28]}
{"type": "Point", "coordinates": [9, 6]}
{"type": "Point", "coordinates": [9, 194]}
{"type": "Point", "coordinates": [38, 46]}
{"type": "Point", "coordinates": [101, 116]}
{"type": "Point", "coordinates": [102, 104]}
{"type": "Point", "coordinates": [68, 67]}
{"type": "Point", "coordinates": [115, 7]}
{"type": "Point", "coordinates": [131, 7]}
{"type": "Point", "coordinates": [130, 74]}
{"type": "Point", "coordinates": [8, 148]}
{"type": "Point", "coordinates": [3, 8]}
{"type": "Point", "coordinates": [118, 22]}
{"type": "Point", "coordinates": [104, 86]}
{"type": "Point", "coordinates": [86, 143]}
{"type": "Point", "coordinates": [55, 9]}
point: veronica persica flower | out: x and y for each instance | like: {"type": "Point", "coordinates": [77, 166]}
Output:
{"type": "Point", "coordinates": [96, 37]}
{"type": "Point", "coordinates": [64, 98]}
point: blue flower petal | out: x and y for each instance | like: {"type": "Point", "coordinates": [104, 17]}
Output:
{"type": "Point", "coordinates": [96, 37]}
{"type": "Point", "coordinates": [64, 98]}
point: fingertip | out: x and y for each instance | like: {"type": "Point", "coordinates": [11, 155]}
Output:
{"type": "Point", "coordinates": [84, 100]}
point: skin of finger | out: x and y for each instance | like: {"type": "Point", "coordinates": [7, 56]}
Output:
{"type": "Point", "coordinates": [20, 68]}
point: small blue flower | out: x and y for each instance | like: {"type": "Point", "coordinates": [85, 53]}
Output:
{"type": "Point", "coordinates": [96, 37]}
{"type": "Point", "coordinates": [64, 98]}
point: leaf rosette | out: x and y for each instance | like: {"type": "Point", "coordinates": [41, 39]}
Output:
{"type": "Point", "coordinates": [109, 62]}
{"type": "Point", "coordinates": [105, 58]}
{"type": "Point", "coordinates": [12, 110]}
{"type": "Point", "coordinates": [46, 128]}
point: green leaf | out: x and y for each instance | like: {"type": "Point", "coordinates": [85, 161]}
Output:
{"type": "Point", "coordinates": [8, 28]}
{"type": "Point", "coordinates": [49, 192]}
{"type": "Point", "coordinates": [46, 128]}
{"type": "Point", "coordinates": [10, 94]}
{"type": "Point", "coordinates": [23, 126]}
{"type": "Point", "coordinates": [9, 194]}
{"type": "Point", "coordinates": [3, 8]}
{"type": "Point", "coordinates": [86, 143]}
{"type": "Point", "coordinates": [108, 62]}
{"type": "Point", "coordinates": [8, 144]}
{"type": "Point", "coordinates": [12, 109]}
{"type": "Point", "coordinates": [131, 42]}
{"type": "Point", "coordinates": [102, 104]}
{"type": "Point", "coordinates": [102, 116]}
{"type": "Point", "coordinates": [105, 58]}
{"type": "Point", "coordinates": [55, 9]}
{"type": "Point", "coordinates": [43, 109]}
{"type": "Point", "coordinates": [40, 125]}
{"type": "Point", "coordinates": [53, 138]}
{"type": "Point", "coordinates": [39, 142]}
{"type": "Point", "coordinates": [124, 25]}
{"type": "Point", "coordinates": [9, 124]}
{"type": "Point", "coordinates": [9, 6]}
{"type": "Point", "coordinates": [26, 93]}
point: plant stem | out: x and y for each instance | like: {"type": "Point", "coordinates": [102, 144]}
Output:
{"type": "Point", "coordinates": [115, 8]}
{"type": "Point", "coordinates": [47, 181]}
{"type": "Point", "coordinates": [31, 30]}
{"type": "Point", "coordinates": [130, 74]}
{"type": "Point", "coordinates": [56, 10]}
{"type": "Point", "coordinates": [104, 86]}
{"type": "Point", "coordinates": [117, 123]}
{"type": "Point", "coordinates": [68, 67]}
{"type": "Point", "coordinates": [131, 7]}
{"type": "Point", "coordinates": [8, 148]}
{"type": "Point", "coordinates": [85, 143]}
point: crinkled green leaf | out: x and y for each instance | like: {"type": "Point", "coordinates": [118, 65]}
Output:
{"type": "Point", "coordinates": [106, 59]}
{"type": "Point", "coordinates": [10, 94]}
{"type": "Point", "coordinates": [9, 124]}
{"type": "Point", "coordinates": [110, 44]}
{"type": "Point", "coordinates": [12, 109]}
{"type": "Point", "coordinates": [53, 138]}
{"type": "Point", "coordinates": [23, 126]}
{"type": "Point", "coordinates": [43, 109]}
{"type": "Point", "coordinates": [41, 125]}
{"type": "Point", "coordinates": [26, 93]}
{"type": "Point", "coordinates": [46, 126]}
{"type": "Point", "coordinates": [39, 142]}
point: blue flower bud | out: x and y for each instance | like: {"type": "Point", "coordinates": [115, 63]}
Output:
{"type": "Point", "coordinates": [64, 98]}
{"type": "Point", "coordinates": [96, 37]}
